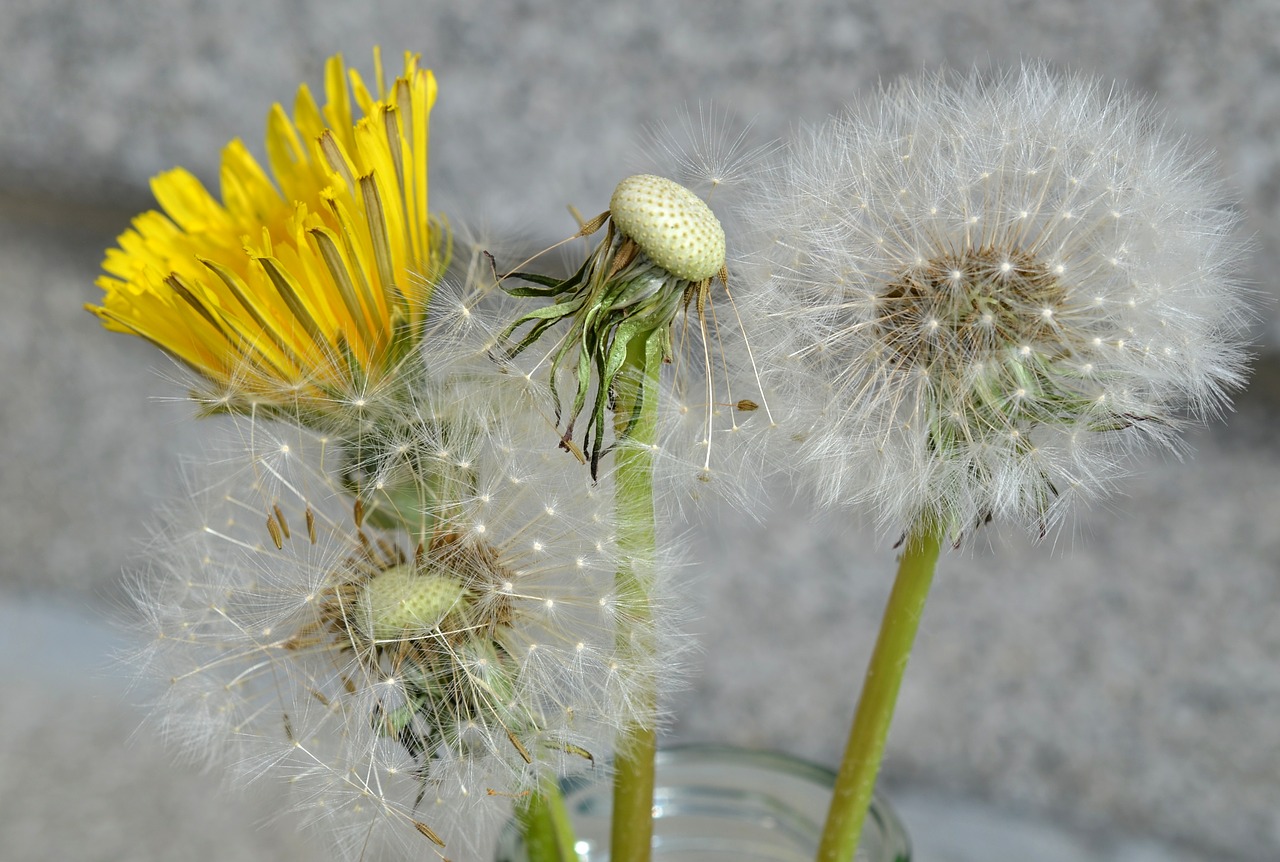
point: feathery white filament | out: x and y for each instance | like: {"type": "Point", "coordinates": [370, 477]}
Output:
{"type": "Point", "coordinates": [389, 659]}
{"type": "Point", "coordinates": [986, 293]}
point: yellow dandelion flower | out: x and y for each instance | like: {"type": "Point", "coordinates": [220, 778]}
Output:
{"type": "Point", "coordinates": [302, 291]}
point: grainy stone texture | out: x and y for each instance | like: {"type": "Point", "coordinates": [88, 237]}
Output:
{"type": "Point", "coordinates": [541, 102]}
{"type": "Point", "coordinates": [1123, 684]}
{"type": "Point", "coordinates": [79, 778]}
{"type": "Point", "coordinates": [86, 449]}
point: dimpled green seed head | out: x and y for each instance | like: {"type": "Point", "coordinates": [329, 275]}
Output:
{"type": "Point", "coordinates": [671, 224]}
{"type": "Point", "coordinates": [400, 601]}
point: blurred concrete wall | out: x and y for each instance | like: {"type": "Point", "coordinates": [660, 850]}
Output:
{"type": "Point", "coordinates": [1126, 679]}
{"type": "Point", "coordinates": [539, 101]}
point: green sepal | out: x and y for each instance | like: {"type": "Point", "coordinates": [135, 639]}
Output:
{"type": "Point", "coordinates": [550, 286]}
{"type": "Point", "coordinates": [607, 313]}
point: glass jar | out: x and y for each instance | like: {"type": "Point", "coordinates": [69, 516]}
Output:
{"type": "Point", "coordinates": [720, 804]}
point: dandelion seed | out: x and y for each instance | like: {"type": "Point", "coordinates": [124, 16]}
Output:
{"type": "Point", "coordinates": [709, 153]}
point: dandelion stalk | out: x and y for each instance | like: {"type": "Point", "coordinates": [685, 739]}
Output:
{"type": "Point", "coordinates": [662, 248]}
{"type": "Point", "coordinates": [980, 295]}
{"type": "Point", "coordinates": [856, 778]}
{"type": "Point", "coordinates": [544, 819]}
{"type": "Point", "coordinates": [636, 427]}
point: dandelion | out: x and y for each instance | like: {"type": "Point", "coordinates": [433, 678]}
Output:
{"type": "Point", "coordinates": [714, 423]}
{"type": "Point", "coordinates": [987, 294]}
{"type": "Point", "coordinates": [983, 295]}
{"type": "Point", "coordinates": [662, 248]}
{"type": "Point", "coordinates": [302, 293]}
{"type": "Point", "coordinates": [407, 683]}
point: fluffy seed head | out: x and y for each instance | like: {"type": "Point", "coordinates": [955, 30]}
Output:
{"type": "Point", "coordinates": [411, 663]}
{"type": "Point", "coordinates": [671, 224]}
{"type": "Point", "coordinates": [988, 292]}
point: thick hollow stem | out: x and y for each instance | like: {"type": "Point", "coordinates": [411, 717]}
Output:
{"type": "Point", "coordinates": [636, 427]}
{"type": "Point", "coordinates": [548, 834]}
{"type": "Point", "coordinates": [857, 776]}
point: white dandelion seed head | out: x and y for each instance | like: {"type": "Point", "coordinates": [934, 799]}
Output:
{"type": "Point", "coordinates": [943, 263]}
{"type": "Point", "coordinates": [397, 668]}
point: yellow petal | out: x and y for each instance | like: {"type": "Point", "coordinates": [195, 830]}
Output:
{"type": "Point", "coordinates": [296, 274]}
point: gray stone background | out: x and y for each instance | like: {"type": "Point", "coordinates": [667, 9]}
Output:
{"type": "Point", "coordinates": [1113, 696]}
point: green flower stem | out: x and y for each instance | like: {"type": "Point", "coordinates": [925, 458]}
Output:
{"type": "Point", "coordinates": [636, 427]}
{"type": "Point", "coordinates": [865, 748]}
{"type": "Point", "coordinates": [544, 819]}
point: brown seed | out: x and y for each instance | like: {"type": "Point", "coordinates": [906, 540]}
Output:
{"type": "Point", "coordinates": [426, 830]}
{"type": "Point", "coordinates": [524, 752]}
{"type": "Point", "coordinates": [284, 525]}
{"type": "Point", "coordinates": [570, 748]}
{"type": "Point", "coordinates": [590, 227]}
{"type": "Point", "coordinates": [274, 529]}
